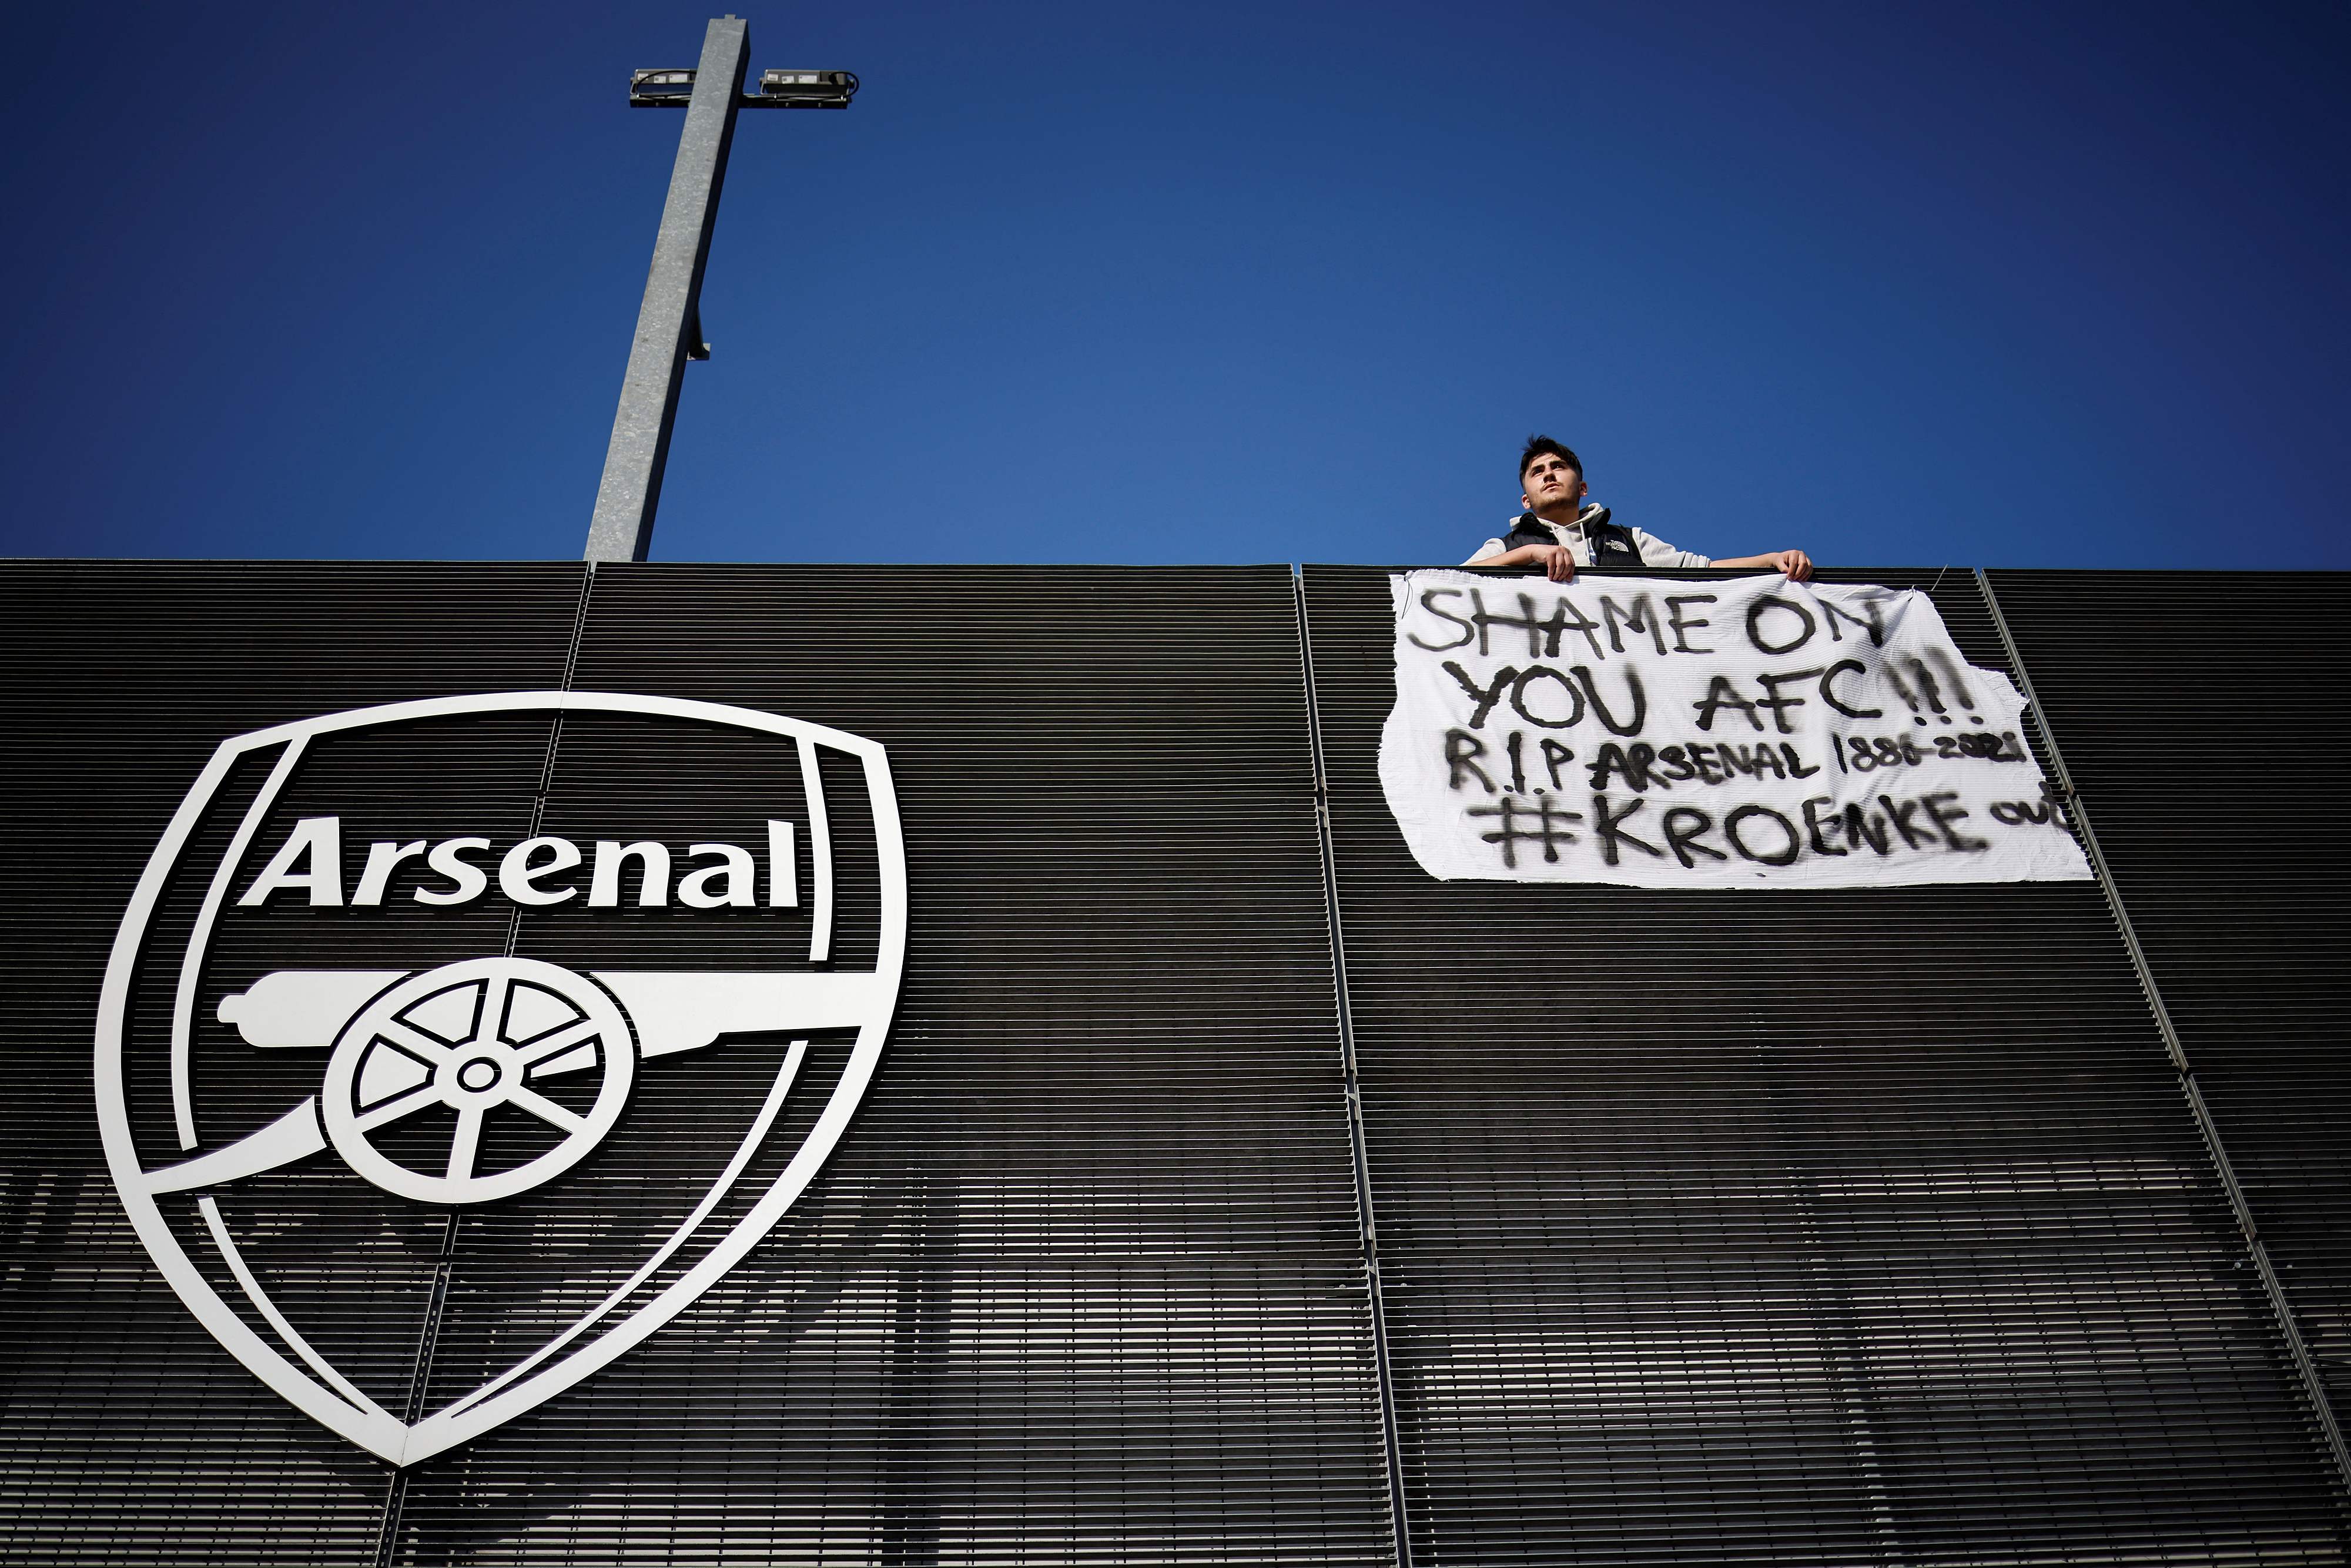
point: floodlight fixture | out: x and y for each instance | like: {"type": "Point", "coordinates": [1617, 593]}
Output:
{"type": "Point", "coordinates": [661, 89]}
{"type": "Point", "coordinates": [672, 87]}
{"type": "Point", "coordinates": [669, 323]}
{"type": "Point", "coordinates": [805, 90]}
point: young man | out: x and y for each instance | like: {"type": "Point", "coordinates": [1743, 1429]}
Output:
{"type": "Point", "coordinates": [1559, 532]}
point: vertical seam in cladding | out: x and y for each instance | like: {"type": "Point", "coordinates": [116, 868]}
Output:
{"type": "Point", "coordinates": [428, 1335]}
{"type": "Point", "coordinates": [1366, 1223]}
{"type": "Point", "coordinates": [2313, 1384]}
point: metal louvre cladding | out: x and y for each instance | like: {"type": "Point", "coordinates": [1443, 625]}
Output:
{"type": "Point", "coordinates": [2212, 810]}
{"type": "Point", "coordinates": [1864, 1226]}
{"type": "Point", "coordinates": [1082, 1279]}
{"type": "Point", "coordinates": [129, 1436]}
{"type": "Point", "coordinates": [1801, 1226]}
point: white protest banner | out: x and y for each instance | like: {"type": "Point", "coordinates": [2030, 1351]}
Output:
{"type": "Point", "coordinates": [1752, 732]}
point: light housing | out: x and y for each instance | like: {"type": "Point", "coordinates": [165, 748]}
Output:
{"type": "Point", "coordinates": [664, 88]}
{"type": "Point", "coordinates": [803, 89]}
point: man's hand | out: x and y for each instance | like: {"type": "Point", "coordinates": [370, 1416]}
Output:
{"type": "Point", "coordinates": [1795, 562]}
{"type": "Point", "coordinates": [1557, 561]}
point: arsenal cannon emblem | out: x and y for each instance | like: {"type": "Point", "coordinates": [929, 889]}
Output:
{"type": "Point", "coordinates": [596, 964]}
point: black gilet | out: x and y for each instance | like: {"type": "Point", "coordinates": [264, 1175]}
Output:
{"type": "Point", "coordinates": [1611, 543]}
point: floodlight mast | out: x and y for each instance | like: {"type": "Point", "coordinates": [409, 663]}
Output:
{"type": "Point", "coordinates": [669, 323]}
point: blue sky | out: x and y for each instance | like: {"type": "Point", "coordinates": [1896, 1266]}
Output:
{"type": "Point", "coordinates": [2013, 285]}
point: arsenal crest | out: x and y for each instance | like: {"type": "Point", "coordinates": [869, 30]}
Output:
{"type": "Point", "coordinates": [611, 973]}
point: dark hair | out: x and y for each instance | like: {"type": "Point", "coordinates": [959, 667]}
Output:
{"type": "Point", "coordinates": [1544, 447]}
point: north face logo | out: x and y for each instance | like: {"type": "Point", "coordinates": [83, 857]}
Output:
{"type": "Point", "coordinates": [644, 1004]}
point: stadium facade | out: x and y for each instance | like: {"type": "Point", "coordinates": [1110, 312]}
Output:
{"type": "Point", "coordinates": [1227, 1191]}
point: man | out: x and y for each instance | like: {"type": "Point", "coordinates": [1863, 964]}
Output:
{"type": "Point", "coordinates": [1560, 532]}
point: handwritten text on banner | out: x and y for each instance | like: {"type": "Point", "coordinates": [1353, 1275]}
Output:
{"type": "Point", "coordinates": [1752, 732]}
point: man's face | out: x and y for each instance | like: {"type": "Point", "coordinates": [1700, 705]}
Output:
{"type": "Point", "coordinates": [1550, 478]}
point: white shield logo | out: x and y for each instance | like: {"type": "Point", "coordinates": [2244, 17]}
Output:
{"type": "Point", "coordinates": [487, 1077]}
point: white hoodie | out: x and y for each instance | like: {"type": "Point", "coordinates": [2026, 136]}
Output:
{"type": "Point", "coordinates": [1655, 551]}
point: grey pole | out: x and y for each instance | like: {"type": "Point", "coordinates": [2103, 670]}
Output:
{"type": "Point", "coordinates": [669, 324]}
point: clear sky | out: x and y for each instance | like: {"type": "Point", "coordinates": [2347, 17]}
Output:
{"type": "Point", "coordinates": [2031, 284]}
